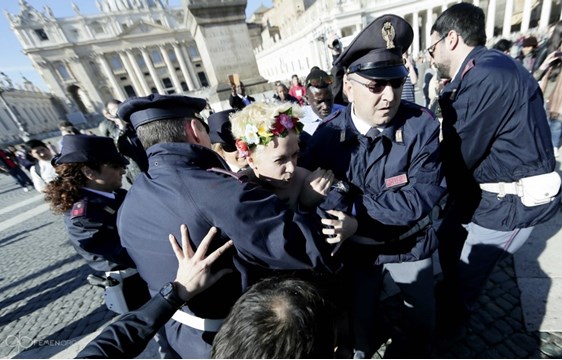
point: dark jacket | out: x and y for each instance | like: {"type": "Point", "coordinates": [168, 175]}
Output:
{"type": "Point", "coordinates": [179, 189]}
{"type": "Point", "coordinates": [494, 130]}
{"type": "Point", "coordinates": [91, 226]}
{"type": "Point", "coordinates": [396, 181]}
{"type": "Point", "coordinates": [237, 103]}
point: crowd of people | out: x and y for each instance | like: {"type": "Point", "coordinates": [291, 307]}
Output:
{"type": "Point", "coordinates": [319, 201]}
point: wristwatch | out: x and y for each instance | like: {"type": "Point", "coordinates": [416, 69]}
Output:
{"type": "Point", "coordinates": [170, 293]}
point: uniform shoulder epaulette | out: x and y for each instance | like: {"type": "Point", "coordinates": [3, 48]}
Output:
{"type": "Point", "coordinates": [78, 209]}
{"type": "Point", "coordinates": [331, 117]}
{"type": "Point", "coordinates": [240, 176]}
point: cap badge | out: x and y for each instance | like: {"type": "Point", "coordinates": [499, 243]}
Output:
{"type": "Point", "coordinates": [388, 34]}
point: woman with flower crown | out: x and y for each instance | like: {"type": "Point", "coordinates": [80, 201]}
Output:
{"type": "Point", "coordinates": [267, 135]}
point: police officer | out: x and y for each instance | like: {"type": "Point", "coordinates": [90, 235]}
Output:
{"type": "Point", "coordinates": [88, 192]}
{"type": "Point", "coordinates": [186, 184]}
{"type": "Point", "coordinates": [388, 151]}
{"type": "Point", "coordinates": [497, 157]}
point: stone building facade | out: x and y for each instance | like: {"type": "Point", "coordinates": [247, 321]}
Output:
{"type": "Point", "coordinates": [28, 111]}
{"type": "Point", "coordinates": [138, 47]}
{"type": "Point", "coordinates": [298, 45]}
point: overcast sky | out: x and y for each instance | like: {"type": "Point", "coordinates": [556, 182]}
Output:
{"type": "Point", "coordinates": [15, 64]}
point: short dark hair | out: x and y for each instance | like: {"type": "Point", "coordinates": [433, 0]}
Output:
{"type": "Point", "coordinates": [277, 319]}
{"type": "Point", "coordinates": [503, 45]}
{"type": "Point", "coordinates": [162, 131]}
{"type": "Point", "coordinates": [34, 143]}
{"type": "Point", "coordinates": [467, 20]}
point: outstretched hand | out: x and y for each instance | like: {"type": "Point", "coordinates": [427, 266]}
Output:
{"type": "Point", "coordinates": [194, 269]}
{"type": "Point", "coordinates": [340, 228]}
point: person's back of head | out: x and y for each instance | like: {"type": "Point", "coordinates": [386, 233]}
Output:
{"type": "Point", "coordinates": [277, 318]}
{"type": "Point", "coordinates": [467, 20]}
{"type": "Point", "coordinates": [503, 45]}
{"type": "Point", "coordinates": [164, 118]}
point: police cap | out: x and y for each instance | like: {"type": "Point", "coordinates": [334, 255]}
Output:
{"type": "Point", "coordinates": [142, 110]}
{"type": "Point", "coordinates": [88, 148]}
{"type": "Point", "coordinates": [221, 130]}
{"type": "Point", "coordinates": [376, 52]}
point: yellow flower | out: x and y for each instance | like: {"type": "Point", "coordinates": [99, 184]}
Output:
{"type": "Point", "coordinates": [263, 131]}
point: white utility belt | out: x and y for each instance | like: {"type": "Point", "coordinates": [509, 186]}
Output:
{"type": "Point", "coordinates": [212, 325]}
{"type": "Point", "coordinates": [533, 190]}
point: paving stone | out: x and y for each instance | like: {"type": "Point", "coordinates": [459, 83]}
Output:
{"type": "Point", "coordinates": [492, 336]}
{"type": "Point", "coordinates": [504, 352]}
{"type": "Point", "coordinates": [494, 311]}
{"type": "Point", "coordinates": [499, 277]}
{"type": "Point", "coordinates": [475, 343]}
{"type": "Point", "coordinates": [517, 350]}
{"type": "Point", "coordinates": [551, 350]}
{"type": "Point", "coordinates": [503, 327]}
{"type": "Point", "coordinates": [525, 341]}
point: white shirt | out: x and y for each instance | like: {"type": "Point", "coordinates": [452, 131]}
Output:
{"type": "Point", "coordinates": [310, 120]}
{"type": "Point", "coordinates": [46, 174]}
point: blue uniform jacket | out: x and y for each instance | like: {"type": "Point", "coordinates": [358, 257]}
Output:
{"type": "Point", "coordinates": [397, 182]}
{"type": "Point", "coordinates": [494, 130]}
{"type": "Point", "coordinates": [91, 226]}
{"type": "Point", "coordinates": [179, 189]}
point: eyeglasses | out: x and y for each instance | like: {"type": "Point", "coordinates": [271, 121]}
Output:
{"type": "Point", "coordinates": [322, 81]}
{"type": "Point", "coordinates": [377, 86]}
{"type": "Point", "coordinates": [431, 49]}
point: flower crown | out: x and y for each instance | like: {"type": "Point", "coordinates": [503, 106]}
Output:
{"type": "Point", "coordinates": [262, 135]}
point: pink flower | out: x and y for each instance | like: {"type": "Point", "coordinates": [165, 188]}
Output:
{"type": "Point", "coordinates": [242, 147]}
{"type": "Point", "coordinates": [286, 121]}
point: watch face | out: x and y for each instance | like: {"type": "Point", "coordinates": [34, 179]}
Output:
{"type": "Point", "coordinates": [167, 290]}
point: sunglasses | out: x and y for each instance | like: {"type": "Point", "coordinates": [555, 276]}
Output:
{"type": "Point", "coordinates": [431, 49]}
{"type": "Point", "coordinates": [320, 82]}
{"type": "Point", "coordinates": [377, 86]}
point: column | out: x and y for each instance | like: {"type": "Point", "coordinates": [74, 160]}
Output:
{"type": "Point", "coordinates": [152, 71]}
{"type": "Point", "coordinates": [416, 27]}
{"type": "Point", "coordinates": [138, 72]}
{"type": "Point", "coordinates": [507, 18]}
{"type": "Point", "coordinates": [428, 25]}
{"type": "Point", "coordinates": [190, 68]}
{"type": "Point", "coordinates": [171, 69]}
{"type": "Point", "coordinates": [183, 67]}
{"type": "Point", "coordinates": [526, 16]}
{"type": "Point", "coordinates": [118, 92]}
{"type": "Point", "coordinates": [476, 3]}
{"type": "Point", "coordinates": [139, 90]}
{"type": "Point", "coordinates": [491, 19]}
{"type": "Point", "coordinates": [545, 14]}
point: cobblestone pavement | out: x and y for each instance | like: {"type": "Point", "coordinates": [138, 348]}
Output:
{"type": "Point", "coordinates": [44, 296]}
{"type": "Point", "coordinates": [45, 299]}
{"type": "Point", "coordinates": [496, 330]}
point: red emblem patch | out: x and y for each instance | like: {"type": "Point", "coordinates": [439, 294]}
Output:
{"type": "Point", "coordinates": [79, 209]}
{"type": "Point", "coordinates": [396, 180]}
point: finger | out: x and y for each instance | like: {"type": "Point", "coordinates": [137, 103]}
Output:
{"type": "Point", "coordinates": [187, 249]}
{"type": "Point", "coordinates": [333, 240]}
{"type": "Point", "coordinates": [328, 222]}
{"type": "Point", "coordinates": [328, 231]}
{"type": "Point", "coordinates": [177, 250]}
{"type": "Point", "coordinates": [205, 243]}
{"type": "Point", "coordinates": [339, 214]}
{"type": "Point", "coordinates": [218, 252]}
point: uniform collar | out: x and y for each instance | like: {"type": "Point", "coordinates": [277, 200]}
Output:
{"type": "Point", "coordinates": [195, 155]}
{"type": "Point", "coordinates": [350, 130]}
{"type": "Point", "coordinates": [102, 193]}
